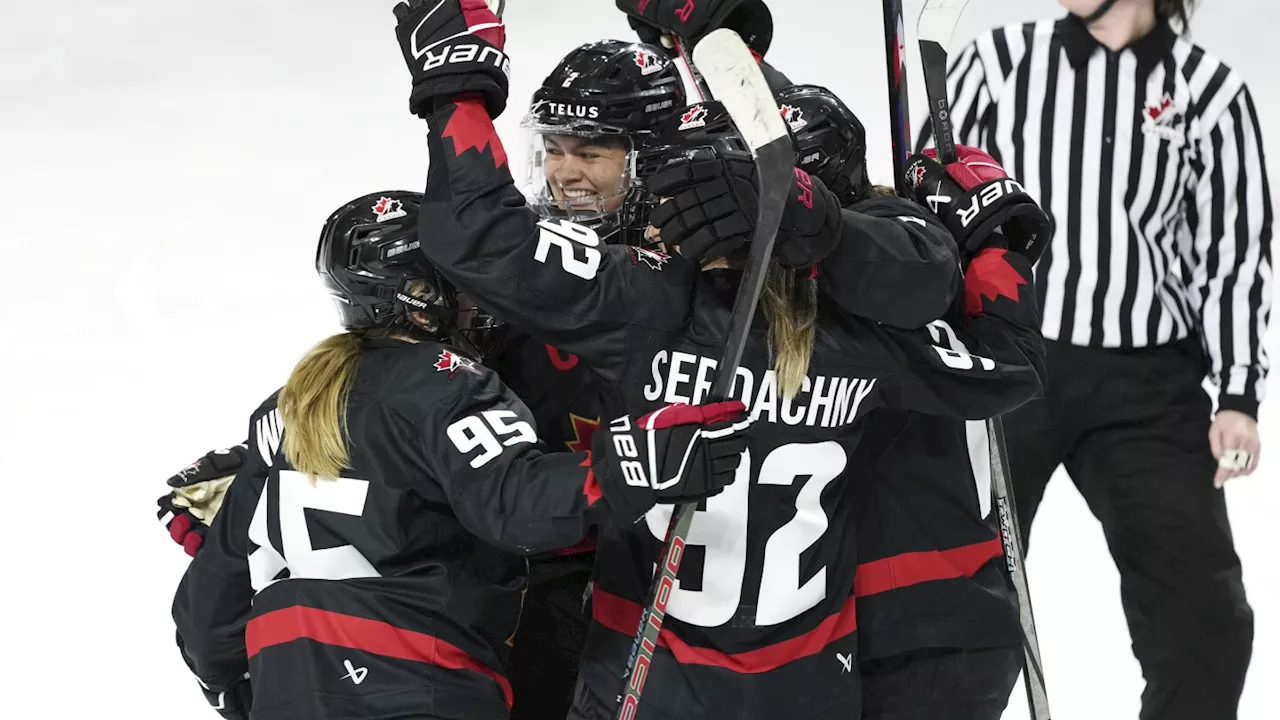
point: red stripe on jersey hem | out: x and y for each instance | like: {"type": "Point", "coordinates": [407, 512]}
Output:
{"type": "Point", "coordinates": [623, 616]}
{"type": "Point", "coordinates": [914, 568]}
{"type": "Point", "coordinates": [372, 636]}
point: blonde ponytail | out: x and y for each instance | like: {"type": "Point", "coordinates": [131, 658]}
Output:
{"type": "Point", "coordinates": [313, 407]}
{"type": "Point", "coordinates": [790, 304]}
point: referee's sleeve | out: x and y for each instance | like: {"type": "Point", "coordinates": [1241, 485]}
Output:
{"type": "Point", "coordinates": [970, 97]}
{"type": "Point", "coordinates": [1231, 256]}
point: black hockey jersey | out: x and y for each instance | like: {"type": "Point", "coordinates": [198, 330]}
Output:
{"type": "Point", "coordinates": [393, 590]}
{"type": "Point", "coordinates": [762, 624]}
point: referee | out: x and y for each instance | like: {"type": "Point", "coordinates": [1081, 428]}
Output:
{"type": "Point", "coordinates": [1145, 150]}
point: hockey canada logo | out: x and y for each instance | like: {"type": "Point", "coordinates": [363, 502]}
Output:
{"type": "Point", "coordinates": [694, 117]}
{"type": "Point", "coordinates": [794, 117]}
{"type": "Point", "coordinates": [388, 209]}
{"type": "Point", "coordinates": [454, 363]}
{"type": "Point", "coordinates": [653, 259]}
{"type": "Point", "coordinates": [915, 173]}
{"type": "Point", "coordinates": [647, 62]}
{"type": "Point", "coordinates": [1164, 119]}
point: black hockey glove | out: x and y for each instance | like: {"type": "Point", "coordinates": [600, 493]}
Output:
{"type": "Point", "coordinates": [974, 196]}
{"type": "Point", "coordinates": [454, 47]}
{"type": "Point", "coordinates": [676, 454]}
{"type": "Point", "coordinates": [713, 203]}
{"type": "Point", "coordinates": [188, 510]}
{"type": "Point", "coordinates": [692, 20]}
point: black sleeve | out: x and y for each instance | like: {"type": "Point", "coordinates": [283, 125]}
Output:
{"type": "Point", "coordinates": [895, 264]}
{"type": "Point", "coordinates": [501, 482]}
{"type": "Point", "coordinates": [985, 358]}
{"type": "Point", "coordinates": [215, 595]}
{"type": "Point", "coordinates": [553, 279]}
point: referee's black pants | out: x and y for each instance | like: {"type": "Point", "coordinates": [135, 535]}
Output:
{"type": "Point", "coordinates": [1132, 429]}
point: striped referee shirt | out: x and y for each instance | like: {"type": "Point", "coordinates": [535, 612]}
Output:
{"type": "Point", "coordinates": [1149, 163]}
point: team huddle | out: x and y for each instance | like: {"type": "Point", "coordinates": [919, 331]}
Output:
{"type": "Point", "coordinates": [454, 508]}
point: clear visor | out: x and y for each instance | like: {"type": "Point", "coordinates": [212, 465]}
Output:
{"type": "Point", "coordinates": [578, 170]}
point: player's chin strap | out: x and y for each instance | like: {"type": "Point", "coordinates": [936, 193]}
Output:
{"type": "Point", "coordinates": [1097, 15]}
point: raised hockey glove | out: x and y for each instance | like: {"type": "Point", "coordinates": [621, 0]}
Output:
{"type": "Point", "coordinates": [713, 201]}
{"type": "Point", "coordinates": [452, 48]}
{"type": "Point", "coordinates": [676, 454]}
{"type": "Point", "coordinates": [974, 197]}
{"type": "Point", "coordinates": [693, 20]}
{"type": "Point", "coordinates": [188, 509]}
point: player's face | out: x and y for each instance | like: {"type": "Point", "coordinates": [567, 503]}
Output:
{"type": "Point", "coordinates": [584, 174]}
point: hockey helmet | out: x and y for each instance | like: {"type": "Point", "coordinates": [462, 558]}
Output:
{"type": "Point", "coordinates": [831, 143]}
{"type": "Point", "coordinates": [586, 122]}
{"type": "Point", "coordinates": [369, 260]}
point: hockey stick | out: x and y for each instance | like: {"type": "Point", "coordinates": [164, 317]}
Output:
{"type": "Point", "coordinates": [934, 28]}
{"type": "Point", "coordinates": [895, 41]}
{"type": "Point", "coordinates": [734, 78]}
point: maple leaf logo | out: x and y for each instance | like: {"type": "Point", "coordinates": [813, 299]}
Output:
{"type": "Point", "coordinates": [452, 363]}
{"type": "Point", "coordinates": [793, 117]}
{"type": "Point", "coordinates": [990, 275]}
{"type": "Point", "coordinates": [470, 128]}
{"type": "Point", "coordinates": [1156, 109]}
{"type": "Point", "coordinates": [387, 209]}
{"type": "Point", "coordinates": [654, 259]}
{"type": "Point", "coordinates": [583, 430]}
{"type": "Point", "coordinates": [647, 62]}
{"type": "Point", "coordinates": [915, 174]}
{"type": "Point", "coordinates": [693, 114]}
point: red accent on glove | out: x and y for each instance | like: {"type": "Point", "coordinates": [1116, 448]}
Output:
{"type": "Point", "coordinates": [972, 167]}
{"type": "Point", "coordinates": [191, 544]}
{"type": "Point", "coordinates": [179, 528]}
{"type": "Point", "coordinates": [477, 12]}
{"type": "Point", "coordinates": [805, 185]}
{"type": "Point", "coordinates": [990, 276]}
{"type": "Point", "coordinates": [682, 414]}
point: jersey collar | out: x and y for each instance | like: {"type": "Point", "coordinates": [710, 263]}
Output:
{"type": "Point", "coordinates": [1149, 49]}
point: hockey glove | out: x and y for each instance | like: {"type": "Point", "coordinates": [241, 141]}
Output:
{"type": "Point", "coordinates": [692, 20]}
{"type": "Point", "coordinates": [453, 47]}
{"type": "Point", "coordinates": [188, 510]}
{"type": "Point", "coordinates": [974, 196]}
{"type": "Point", "coordinates": [713, 202]}
{"type": "Point", "coordinates": [676, 454]}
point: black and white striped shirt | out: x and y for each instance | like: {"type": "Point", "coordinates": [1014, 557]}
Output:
{"type": "Point", "coordinates": [1149, 161]}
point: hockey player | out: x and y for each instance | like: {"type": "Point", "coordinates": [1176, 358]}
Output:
{"type": "Point", "coordinates": [392, 488]}
{"type": "Point", "coordinates": [762, 624]}
{"type": "Point", "coordinates": [933, 602]}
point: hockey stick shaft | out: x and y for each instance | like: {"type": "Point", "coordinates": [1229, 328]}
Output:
{"type": "Point", "coordinates": [935, 27]}
{"type": "Point", "coordinates": [739, 83]}
{"type": "Point", "coordinates": [1033, 670]}
{"type": "Point", "coordinates": [899, 114]}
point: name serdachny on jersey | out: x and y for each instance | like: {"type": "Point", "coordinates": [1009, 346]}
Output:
{"type": "Point", "coordinates": [823, 400]}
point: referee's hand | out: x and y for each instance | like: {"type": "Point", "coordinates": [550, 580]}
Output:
{"type": "Point", "coordinates": [1233, 437]}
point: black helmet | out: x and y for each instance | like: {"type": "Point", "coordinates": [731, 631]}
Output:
{"type": "Point", "coordinates": [604, 97]}
{"type": "Point", "coordinates": [370, 262]}
{"type": "Point", "coordinates": [689, 133]}
{"type": "Point", "coordinates": [831, 143]}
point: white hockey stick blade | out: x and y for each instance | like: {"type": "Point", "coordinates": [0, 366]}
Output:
{"type": "Point", "coordinates": [938, 19]}
{"type": "Point", "coordinates": [734, 77]}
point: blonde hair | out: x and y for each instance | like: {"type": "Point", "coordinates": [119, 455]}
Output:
{"type": "Point", "coordinates": [313, 407]}
{"type": "Point", "coordinates": [790, 304]}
